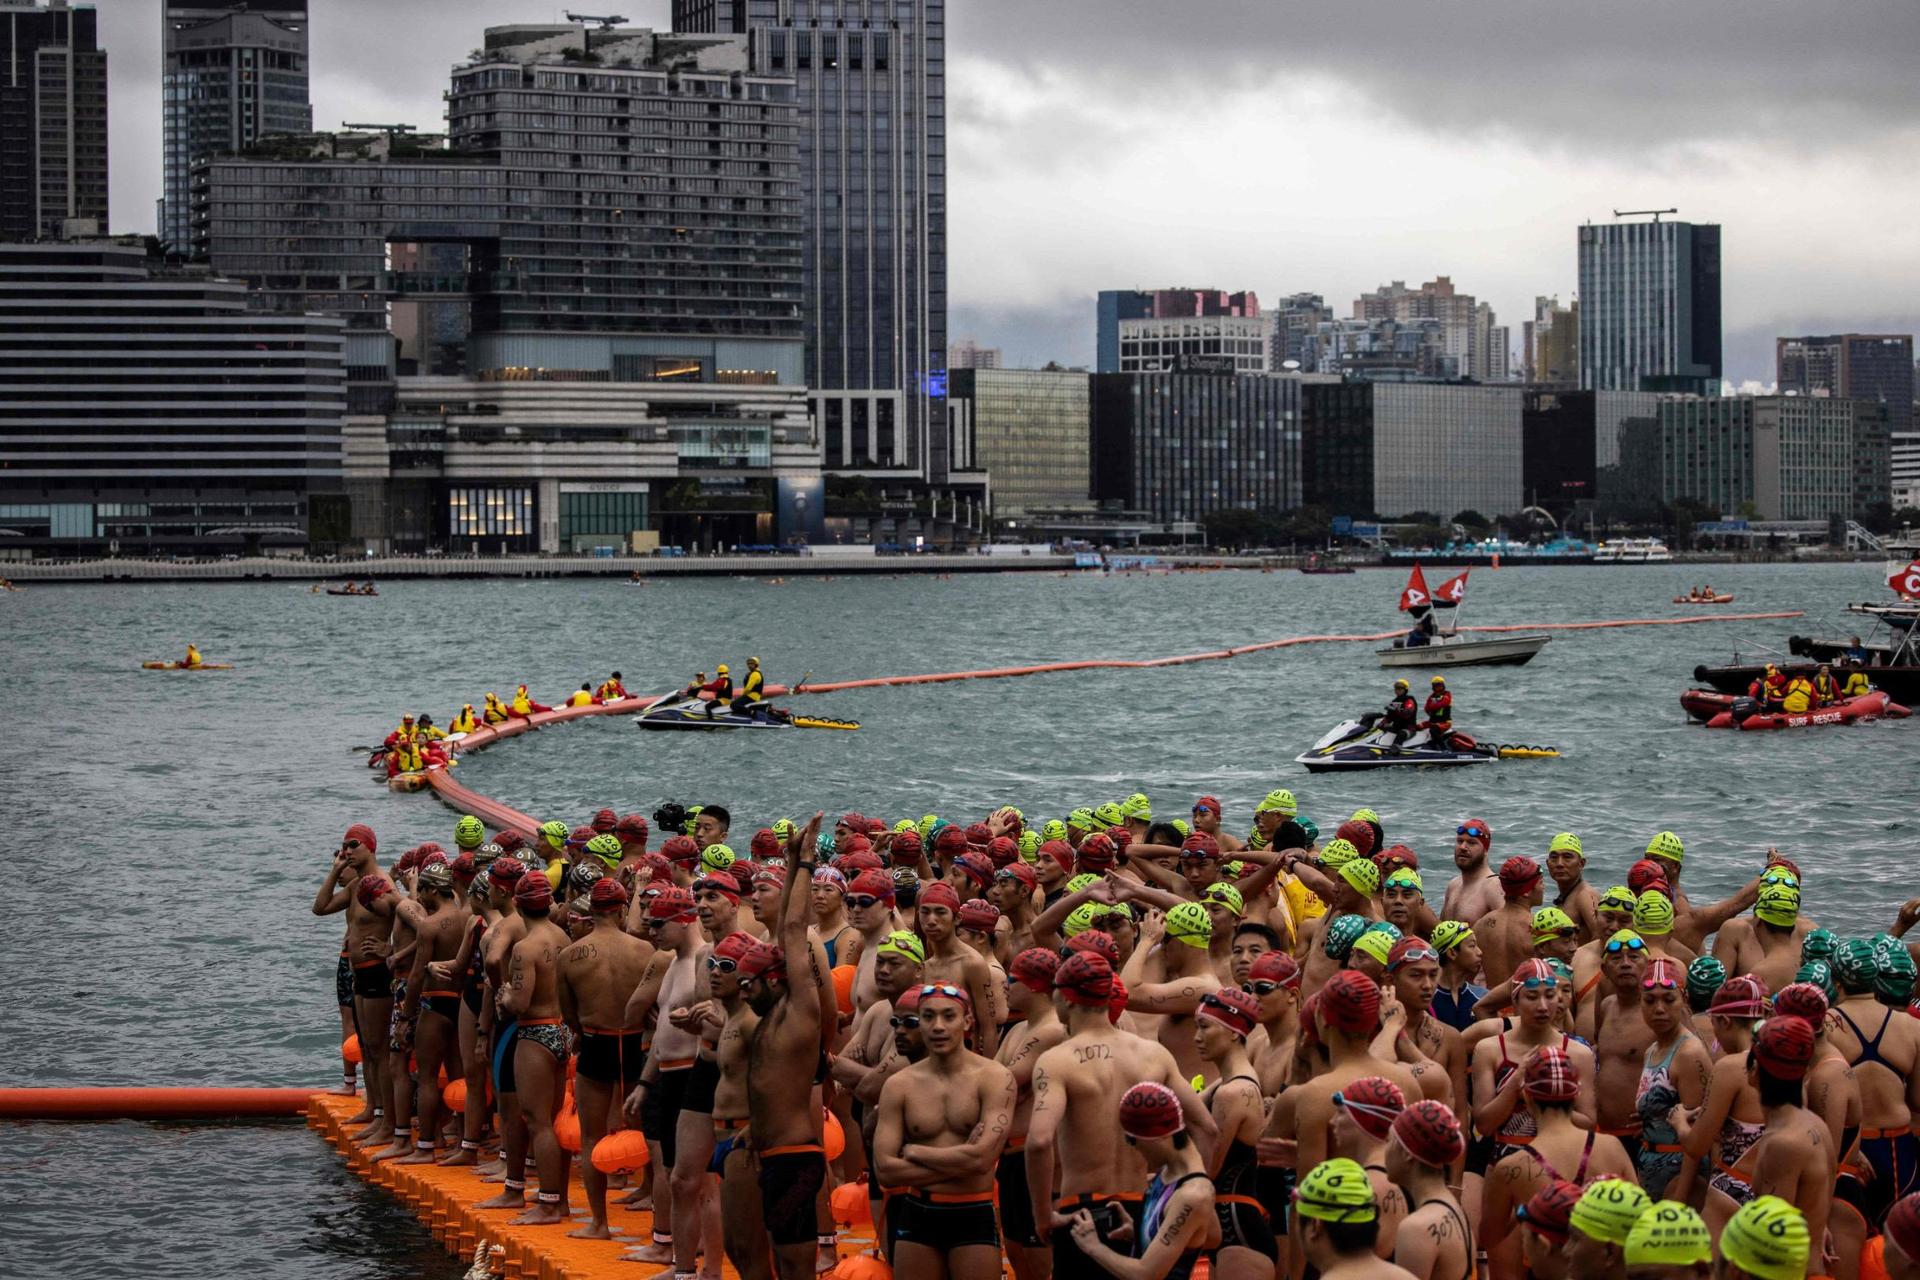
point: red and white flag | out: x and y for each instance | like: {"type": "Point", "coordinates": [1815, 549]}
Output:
{"type": "Point", "coordinates": [1451, 592]}
{"type": "Point", "coordinates": [1416, 596]}
{"type": "Point", "coordinates": [1905, 583]}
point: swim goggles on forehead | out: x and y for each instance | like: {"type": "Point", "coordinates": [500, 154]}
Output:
{"type": "Point", "coordinates": [1654, 982]}
{"type": "Point", "coordinates": [946, 989]}
{"type": "Point", "coordinates": [1415, 954]}
{"type": "Point", "coordinates": [1615, 946]}
{"type": "Point", "coordinates": [1470, 829]}
{"type": "Point", "coordinates": [1536, 982]}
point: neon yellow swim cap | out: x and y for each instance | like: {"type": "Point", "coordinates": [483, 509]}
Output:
{"type": "Point", "coordinates": [1336, 1190]}
{"type": "Point", "coordinates": [1549, 922]}
{"type": "Point", "coordinates": [1767, 1238]}
{"type": "Point", "coordinates": [1666, 845]}
{"type": "Point", "coordinates": [1190, 923]}
{"type": "Point", "coordinates": [1653, 914]}
{"type": "Point", "coordinates": [555, 834]}
{"type": "Point", "coordinates": [1406, 878]}
{"type": "Point", "coordinates": [1608, 1209]}
{"type": "Point", "coordinates": [1449, 934]}
{"type": "Point", "coordinates": [1226, 895]}
{"type": "Point", "coordinates": [904, 944]}
{"type": "Point", "coordinates": [469, 832]}
{"type": "Point", "coordinates": [1279, 800]}
{"type": "Point", "coordinates": [717, 857]}
{"type": "Point", "coordinates": [1670, 1234]}
{"type": "Point", "coordinates": [1375, 943]}
{"type": "Point", "coordinates": [1137, 807]}
{"type": "Point", "coordinates": [1567, 842]}
{"type": "Point", "coordinates": [1361, 874]}
{"type": "Point", "coordinates": [1337, 852]}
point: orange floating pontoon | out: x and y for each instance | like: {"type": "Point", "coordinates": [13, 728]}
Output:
{"type": "Point", "coordinates": [157, 1103]}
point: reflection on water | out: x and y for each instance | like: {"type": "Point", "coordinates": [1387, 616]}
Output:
{"type": "Point", "coordinates": [174, 826]}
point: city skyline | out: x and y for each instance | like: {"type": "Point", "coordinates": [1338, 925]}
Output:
{"type": "Point", "coordinates": [1074, 169]}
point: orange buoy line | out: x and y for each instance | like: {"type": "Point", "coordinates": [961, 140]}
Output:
{"type": "Point", "coordinates": [1648, 622]}
{"type": "Point", "coordinates": [156, 1103]}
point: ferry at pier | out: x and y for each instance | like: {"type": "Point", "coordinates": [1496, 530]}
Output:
{"type": "Point", "coordinates": [1633, 551]}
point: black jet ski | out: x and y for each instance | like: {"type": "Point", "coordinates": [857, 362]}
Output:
{"type": "Point", "coordinates": [691, 713]}
{"type": "Point", "coordinates": [1357, 744]}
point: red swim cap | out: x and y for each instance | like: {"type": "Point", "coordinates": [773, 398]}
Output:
{"type": "Point", "coordinates": [674, 903]}
{"type": "Point", "coordinates": [907, 1001]}
{"type": "Point", "coordinates": [1023, 873]}
{"type": "Point", "coordinates": [1802, 1000]}
{"type": "Point", "coordinates": [1903, 1224]}
{"type": "Point", "coordinates": [532, 892]}
{"type": "Point", "coordinates": [605, 821]}
{"type": "Point", "coordinates": [1096, 942]}
{"type": "Point", "coordinates": [1232, 1008]}
{"type": "Point", "coordinates": [853, 822]}
{"type": "Point", "coordinates": [1742, 997]}
{"type": "Point", "coordinates": [1550, 1210]}
{"type": "Point", "coordinates": [1550, 1076]}
{"type": "Point", "coordinates": [1207, 803]}
{"type": "Point", "coordinates": [979, 835]}
{"type": "Point", "coordinates": [764, 844]}
{"type": "Point", "coordinates": [506, 872]}
{"type": "Point", "coordinates": [1097, 852]}
{"type": "Point", "coordinates": [510, 841]}
{"type": "Point", "coordinates": [633, 826]}
{"type": "Point", "coordinates": [904, 849]}
{"type": "Point", "coordinates": [364, 834]}
{"type": "Point", "coordinates": [1535, 969]}
{"type": "Point", "coordinates": [939, 894]}
{"type": "Point", "coordinates": [978, 913]}
{"type": "Point", "coordinates": [371, 889]}
{"type": "Point", "coordinates": [1035, 968]}
{"type": "Point", "coordinates": [1275, 966]}
{"type": "Point", "coordinates": [1784, 1047]}
{"type": "Point", "coordinates": [1518, 876]}
{"type": "Point", "coordinates": [1374, 1103]}
{"type": "Point", "coordinates": [1350, 1002]}
{"type": "Point", "coordinates": [720, 883]}
{"type": "Point", "coordinates": [1151, 1110]}
{"type": "Point", "coordinates": [1199, 845]}
{"type": "Point", "coordinates": [1085, 978]}
{"type": "Point", "coordinates": [853, 864]}
{"type": "Point", "coordinates": [857, 844]}
{"type": "Point", "coordinates": [1061, 852]}
{"type": "Point", "coordinates": [876, 884]}
{"type": "Point", "coordinates": [950, 840]}
{"type": "Point", "coordinates": [580, 835]}
{"type": "Point", "coordinates": [1397, 855]}
{"type": "Point", "coordinates": [464, 867]}
{"type": "Point", "coordinates": [607, 894]}
{"type": "Point", "coordinates": [1430, 1132]}
{"type": "Point", "coordinates": [1002, 851]}
{"type": "Point", "coordinates": [946, 991]}
{"type": "Point", "coordinates": [1357, 833]}
{"type": "Point", "coordinates": [735, 945]}
{"type": "Point", "coordinates": [680, 849]}
{"type": "Point", "coordinates": [763, 960]}
{"type": "Point", "coordinates": [978, 868]}
{"type": "Point", "coordinates": [1482, 824]}
{"type": "Point", "coordinates": [1644, 873]}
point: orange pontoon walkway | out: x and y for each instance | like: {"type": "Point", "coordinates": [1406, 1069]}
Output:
{"type": "Point", "coordinates": [443, 1200]}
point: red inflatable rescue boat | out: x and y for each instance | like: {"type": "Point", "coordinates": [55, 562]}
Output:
{"type": "Point", "coordinates": [1868, 706]}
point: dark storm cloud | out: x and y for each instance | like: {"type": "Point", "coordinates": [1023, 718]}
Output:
{"type": "Point", "coordinates": [1614, 73]}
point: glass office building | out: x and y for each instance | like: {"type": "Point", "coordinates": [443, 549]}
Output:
{"type": "Point", "coordinates": [1851, 366]}
{"type": "Point", "coordinates": [233, 72]}
{"type": "Point", "coordinates": [145, 409]}
{"type": "Point", "coordinates": [1650, 307]}
{"type": "Point", "coordinates": [1030, 430]}
{"type": "Point", "coordinates": [53, 119]}
{"type": "Point", "coordinates": [1390, 449]}
{"type": "Point", "coordinates": [871, 81]}
{"type": "Point", "coordinates": [1176, 446]}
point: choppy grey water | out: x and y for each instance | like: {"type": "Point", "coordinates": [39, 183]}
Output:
{"type": "Point", "coordinates": [168, 830]}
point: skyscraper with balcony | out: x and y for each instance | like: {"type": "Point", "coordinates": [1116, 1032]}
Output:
{"type": "Point", "coordinates": [1650, 307]}
{"type": "Point", "coordinates": [233, 71]}
{"type": "Point", "coordinates": [871, 76]}
{"type": "Point", "coordinates": [53, 119]}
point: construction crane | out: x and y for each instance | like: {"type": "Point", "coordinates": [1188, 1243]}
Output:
{"type": "Point", "coordinates": [607, 22]}
{"type": "Point", "coordinates": [1641, 213]}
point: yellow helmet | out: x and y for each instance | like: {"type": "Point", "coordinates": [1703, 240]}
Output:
{"type": "Point", "coordinates": [721, 669]}
{"type": "Point", "coordinates": [1401, 684]}
{"type": "Point", "coordinates": [1439, 680]}
{"type": "Point", "coordinates": [753, 662]}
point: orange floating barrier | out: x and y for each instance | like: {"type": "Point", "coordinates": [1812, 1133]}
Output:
{"type": "Point", "coordinates": [157, 1103]}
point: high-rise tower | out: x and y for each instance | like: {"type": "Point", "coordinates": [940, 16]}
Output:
{"type": "Point", "coordinates": [1650, 307]}
{"type": "Point", "coordinates": [53, 119]}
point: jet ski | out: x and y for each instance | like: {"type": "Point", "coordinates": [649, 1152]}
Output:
{"type": "Point", "coordinates": [691, 713]}
{"type": "Point", "coordinates": [1357, 744]}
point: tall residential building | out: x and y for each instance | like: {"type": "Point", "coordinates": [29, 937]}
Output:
{"type": "Point", "coordinates": [1116, 307]}
{"type": "Point", "coordinates": [968, 354]}
{"type": "Point", "coordinates": [618, 207]}
{"type": "Point", "coordinates": [143, 408]}
{"type": "Point", "coordinates": [871, 77]}
{"type": "Point", "coordinates": [1391, 449]}
{"type": "Point", "coordinates": [1177, 446]}
{"type": "Point", "coordinates": [1782, 457]}
{"type": "Point", "coordinates": [1550, 344]}
{"type": "Point", "coordinates": [1466, 323]}
{"type": "Point", "coordinates": [1294, 320]}
{"type": "Point", "coordinates": [53, 119]}
{"type": "Point", "coordinates": [233, 72]}
{"type": "Point", "coordinates": [1219, 344]}
{"type": "Point", "coordinates": [1381, 350]}
{"type": "Point", "coordinates": [1029, 429]}
{"type": "Point", "coordinates": [1650, 307]}
{"type": "Point", "coordinates": [1852, 366]}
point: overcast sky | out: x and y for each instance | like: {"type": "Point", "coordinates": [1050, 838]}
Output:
{"type": "Point", "coordinates": [1285, 146]}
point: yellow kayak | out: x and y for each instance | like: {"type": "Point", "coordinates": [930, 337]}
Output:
{"type": "Point", "coordinates": [181, 666]}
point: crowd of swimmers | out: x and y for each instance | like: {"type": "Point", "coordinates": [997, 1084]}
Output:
{"type": "Point", "coordinates": [1112, 1044]}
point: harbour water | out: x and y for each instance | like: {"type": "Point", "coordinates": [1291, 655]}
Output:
{"type": "Point", "coordinates": [169, 829]}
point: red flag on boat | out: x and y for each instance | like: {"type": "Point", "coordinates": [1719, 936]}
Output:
{"type": "Point", "coordinates": [1416, 596]}
{"type": "Point", "coordinates": [1451, 592]}
{"type": "Point", "coordinates": [1906, 582]}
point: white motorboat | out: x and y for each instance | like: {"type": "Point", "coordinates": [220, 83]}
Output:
{"type": "Point", "coordinates": [1449, 650]}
